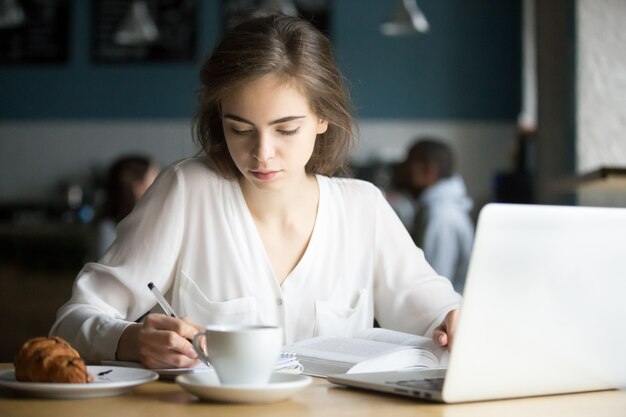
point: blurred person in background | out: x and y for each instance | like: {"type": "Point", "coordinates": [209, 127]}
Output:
{"type": "Point", "coordinates": [442, 226]}
{"type": "Point", "coordinates": [127, 180]}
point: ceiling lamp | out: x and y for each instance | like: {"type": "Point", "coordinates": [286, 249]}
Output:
{"type": "Point", "coordinates": [11, 14]}
{"type": "Point", "coordinates": [138, 27]}
{"type": "Point", "coordinates": [407, 18]}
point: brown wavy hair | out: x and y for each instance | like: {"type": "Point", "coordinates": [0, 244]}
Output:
{"type": "Point", "coordinates": [293, 50]}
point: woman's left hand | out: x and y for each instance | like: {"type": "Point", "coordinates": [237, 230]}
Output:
{"type": "Point", "coordinates": [444, 333]}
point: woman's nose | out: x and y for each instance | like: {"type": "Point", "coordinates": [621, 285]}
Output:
{"type": "Point", "coordinates": [264, 149]}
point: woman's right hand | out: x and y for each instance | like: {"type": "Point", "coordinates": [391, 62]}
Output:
{"type": "Point", "coordinates": [159, 341]}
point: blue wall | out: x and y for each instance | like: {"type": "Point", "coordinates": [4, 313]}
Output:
{"type": "Point", "coordinates": [466, 67]}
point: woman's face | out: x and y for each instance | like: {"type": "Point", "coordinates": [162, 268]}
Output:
{"type": "Point", "coordinates": [270, 131]}
{"type": "Point", "coordinates": [422, 175]}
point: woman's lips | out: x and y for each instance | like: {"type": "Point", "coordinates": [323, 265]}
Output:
{"type": "Point", "coordinates": [264, 175]}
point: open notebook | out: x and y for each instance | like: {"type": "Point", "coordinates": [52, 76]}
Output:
{"type": "Point", "coordinates": [287, 362]}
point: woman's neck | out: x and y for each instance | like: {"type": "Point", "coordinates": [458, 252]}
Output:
{"type": "Point", "coordinates": [288, 204]}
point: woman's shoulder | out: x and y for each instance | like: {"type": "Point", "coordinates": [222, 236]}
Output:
{"type": "Point", "coordinates": [192, 166]}
{"type": "Point", "coordinates": [194, 169]}
{"type": "Point", "coordinates": [350, 188]}
{"type": "Point", "coordinates": [190, 173]}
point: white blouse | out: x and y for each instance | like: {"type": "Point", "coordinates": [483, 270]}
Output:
{"type": "Point", "coordinates": [194, 237]}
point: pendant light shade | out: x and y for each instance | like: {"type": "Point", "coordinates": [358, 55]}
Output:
{"type": "Point", "coordinates": [11, 14]}
{"type": "Point", "coordinates": [407, 18]}
{"type": "Point", "coordinates": [138, 27]}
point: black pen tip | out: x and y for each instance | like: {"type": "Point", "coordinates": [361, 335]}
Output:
{"type": "Point", "coordinates": [150, 285]}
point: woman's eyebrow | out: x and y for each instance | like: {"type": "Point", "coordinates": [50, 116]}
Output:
{"type": "Point", "coordinates": [286, 119]}
{"type": "Point", "coordinates": [237, 119]}
{"type": "Point", "coordinates": [273, 122]}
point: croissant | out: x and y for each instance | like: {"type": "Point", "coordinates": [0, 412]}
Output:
{"type": "Point", "coordinates": [50, 359]}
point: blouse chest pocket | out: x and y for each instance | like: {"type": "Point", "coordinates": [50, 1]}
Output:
{"type": "Point", "coordinates": [196, 305]}
{"type": "Point", "coordinates": [334, 319]}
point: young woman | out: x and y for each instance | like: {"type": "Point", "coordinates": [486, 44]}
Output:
{"type": "Point", "coordinates": [256, 229]}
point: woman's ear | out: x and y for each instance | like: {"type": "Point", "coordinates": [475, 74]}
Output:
{"type": "Point", "coordinates": [322, 126]}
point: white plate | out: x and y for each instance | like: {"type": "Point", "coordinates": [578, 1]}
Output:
{"type": "Point", "coordinates": [206, 386]}
{"type": "Point", "coordinates": [117, 381]}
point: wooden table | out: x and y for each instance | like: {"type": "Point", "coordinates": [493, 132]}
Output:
{"type": "Point", "coordinates": [321, 399]}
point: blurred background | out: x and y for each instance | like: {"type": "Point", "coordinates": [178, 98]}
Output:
{"type": "Point", "coordinates": [530, 95]}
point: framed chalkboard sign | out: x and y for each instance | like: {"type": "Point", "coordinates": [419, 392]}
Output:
{"type": "Point", "coordinates": [138, 31]}
{"type": "Point", "coordinates": [34, 31]}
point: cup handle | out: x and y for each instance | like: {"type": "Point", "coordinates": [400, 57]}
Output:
{"type": "Point", "coordinates": [196, 346]}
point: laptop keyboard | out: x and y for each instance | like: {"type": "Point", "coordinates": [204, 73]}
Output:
{"type": "Point", "coordinates": [432, 384]}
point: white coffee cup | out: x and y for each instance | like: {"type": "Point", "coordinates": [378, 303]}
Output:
{"type": "Point", "coordinates": [240, 354]}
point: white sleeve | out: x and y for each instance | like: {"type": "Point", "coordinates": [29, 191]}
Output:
{"type": "Point", "coordinates": [409, 296]}
{"type": "Point", "coordinates": [109, 295]}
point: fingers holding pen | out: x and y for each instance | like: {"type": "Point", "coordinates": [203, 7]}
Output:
{"type": "Point", "coordinates": [196, 326]}
{"type": "Point", "coordinates": [165, 341]}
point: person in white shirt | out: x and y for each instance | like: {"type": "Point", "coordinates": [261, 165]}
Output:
{"type": "Point", "coordinates": [442, 226]}
{"type": "Point", "coordinates": [256, 230]}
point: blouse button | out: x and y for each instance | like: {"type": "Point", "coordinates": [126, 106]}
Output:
{"type": "Point", "coordinates": [279, 301]}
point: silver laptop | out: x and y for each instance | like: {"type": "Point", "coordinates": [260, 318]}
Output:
{"type": "Point", "coordinates": [544, 310]}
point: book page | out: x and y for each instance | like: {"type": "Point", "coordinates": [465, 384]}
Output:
{"type": "Point", "coordinates": [368, 351]}
{"type": "Point", "coordinates": [342, 349]}
{"type": "Point", "coordinates": [395, 337]}
{"type": "Point", "coordinates": [405, 339]}
{"type": "Point", "coordinates": [412, 358]}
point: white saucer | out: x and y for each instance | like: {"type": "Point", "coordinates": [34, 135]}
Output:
{"type": "Point", "coordinates": [107, 381]}
{"type": "Point", "coordinates": [206, 386]}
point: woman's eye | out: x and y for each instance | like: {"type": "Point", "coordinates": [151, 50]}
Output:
{"type": "Point", "coordinates": [289, 132]}
{"type": "Point", "coordinates": [240, 131]}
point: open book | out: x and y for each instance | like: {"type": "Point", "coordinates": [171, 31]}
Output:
{"type": "Point", "coordinates": [371, 350]}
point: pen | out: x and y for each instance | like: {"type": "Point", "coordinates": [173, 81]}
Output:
{"type": "Point", "coordinates": [162, 301]}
